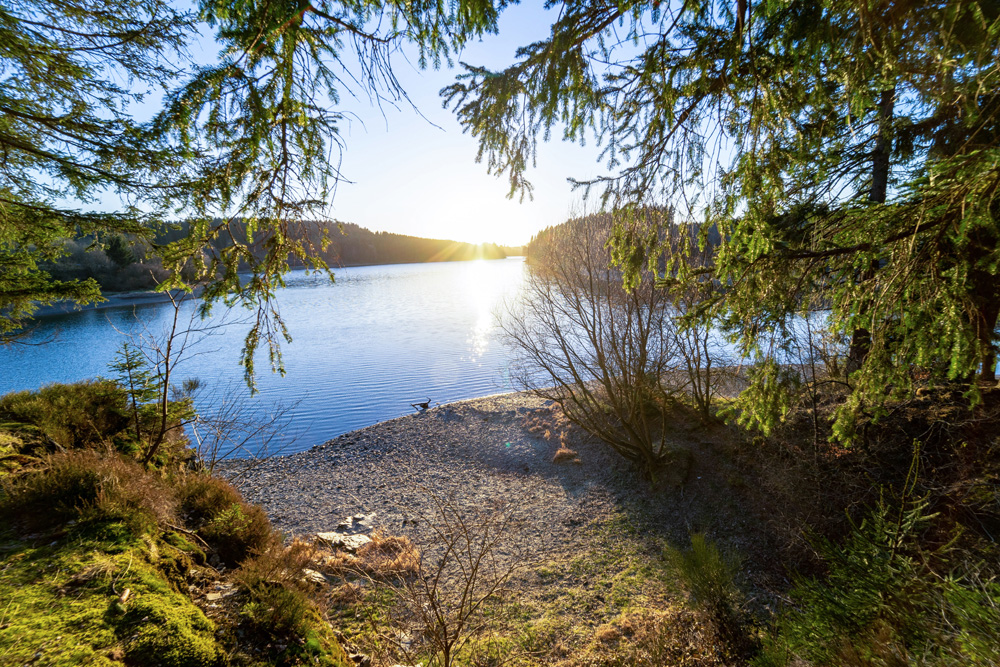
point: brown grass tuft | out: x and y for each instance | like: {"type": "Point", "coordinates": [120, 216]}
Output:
{"type": "Point", "coordinates": [565, 455]}
{"type": "Point", "coordinates": [385, 557]}
{"type": "Point", "coordinates": [87, 486]}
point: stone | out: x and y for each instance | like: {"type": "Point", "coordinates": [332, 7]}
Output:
{"type": "Point", "coordinates": [313, 577]}
{"type": "Point", "coordinates": [349, 543]}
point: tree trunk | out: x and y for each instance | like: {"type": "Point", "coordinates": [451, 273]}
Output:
{"type": "Point", "coordinates": [987, 304]}
{"type": "Point", "coordinates": [861, 339]}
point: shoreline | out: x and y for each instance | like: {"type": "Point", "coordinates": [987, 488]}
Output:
{"type": "Point", "coordinates": [474, 452]}
{"type": "Point", "coordinates": [483, 453]}
{"type": "Point", "coordinates": [111, 300]}
{"type": "Point", "coordinates": [150, 297]}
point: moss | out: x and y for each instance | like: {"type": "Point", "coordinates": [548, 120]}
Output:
{"type": "Point", "coordinates": [167, 629]}
{"type": "Point", "coordinates": [176, 558]}
{"type": "Point", "coordinates": [181, 543]}
{"type": "Point", "coordinates": [9, 443]}
{"type": "Point", "coordinates": [64, 607]}
{"type": "Point", "coordinates": [12, 456]}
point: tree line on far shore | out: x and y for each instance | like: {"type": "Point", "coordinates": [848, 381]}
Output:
{"type": "Point", "coordinates": [121, 263]}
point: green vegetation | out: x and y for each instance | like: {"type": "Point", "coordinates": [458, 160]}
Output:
{"type": "Point", "coordinates": [710, 577]}
{"type": "Point", "coordinates": [130, 263]}
{"type": "Point", "coordinates": [890, 595]}
{"type": "Point", "coordinates": [799, 156]}
{"type": "Point", "coordinates": [244, 146]}
{"type": "Point", "coordinates": [844, 153]}
{"type": "Point", "coordinates": [888, 544]}
{"type": "Point", "coordinates": [108, 561]}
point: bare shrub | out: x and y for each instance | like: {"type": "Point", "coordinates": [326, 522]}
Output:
{"type": "Point", "coordinates": [229, 421]}
{"type": "Point", "coordinates": [232, 423]}
{"type": "Point", "coordinates": [607, 354]}
{"type": "Point", "coordinates": [452, 605]}
{"type": "Point", "coordinates": [705, 369]}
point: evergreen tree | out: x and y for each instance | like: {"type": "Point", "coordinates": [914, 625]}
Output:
{"type": "Point", "coordinates": [118, 251]}
{"type": "Point", "coordinates": [847, 152]}
{"type": "Point", "coordinates": [66, 133]}
{"type": "Point", "coordinates": [249, 140]}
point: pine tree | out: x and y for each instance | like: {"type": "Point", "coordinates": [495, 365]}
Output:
{"type": "Point", "coordinates": [848, 153]}
{"type": "Point", "coordinates": [244, 148]}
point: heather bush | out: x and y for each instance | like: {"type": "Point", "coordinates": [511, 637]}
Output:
{"type": "Point", "coordinates": [88, 487]}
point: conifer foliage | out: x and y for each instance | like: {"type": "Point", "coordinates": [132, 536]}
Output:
{"type": "Point", "coordinates": [103, 98]}
{"type": "Point", "coordinates": [847, 153]}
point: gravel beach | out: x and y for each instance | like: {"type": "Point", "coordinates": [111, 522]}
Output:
{"type": "Point", "coordinates": [474, 453]}
{"type": "Point", "coordinates": [477, 453]}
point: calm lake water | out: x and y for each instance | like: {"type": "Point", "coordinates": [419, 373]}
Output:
{"type": "Point", "coordinates": [363, 349]}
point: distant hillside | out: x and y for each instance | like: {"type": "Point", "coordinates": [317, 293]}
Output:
{"type": "Point", "coordinates": [535, 247]}
{"type": "Point", "coordinates": [122, 264]}
{"type": "Point", "coordinates": [357, 246]}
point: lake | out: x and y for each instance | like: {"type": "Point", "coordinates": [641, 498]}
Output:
{"type": "Point", "coordinates": [363, 348]}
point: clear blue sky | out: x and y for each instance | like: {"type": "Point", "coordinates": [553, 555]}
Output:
{"type": "Point", "coordinates": [411, 177]}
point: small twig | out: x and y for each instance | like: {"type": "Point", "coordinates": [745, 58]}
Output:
{"type": "Point", "coordinates": [192, 534]}
{"type": "Point", "coordinates": [114, 582]}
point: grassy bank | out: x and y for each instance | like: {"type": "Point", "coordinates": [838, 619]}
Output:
{"type": "Point", "coordinates": [777, 550]}
{"type": "Point", "coordinates": [109, 562]}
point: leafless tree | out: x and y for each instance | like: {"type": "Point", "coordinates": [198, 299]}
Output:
{"type": "Point", "coordinates": [610, 356]}
{"type": "Point", "coordinates": [450, 601]}
{"type": "Point", "coordinates": [226, 423]}
{"type": "Point", "coordinates": [229, 425]}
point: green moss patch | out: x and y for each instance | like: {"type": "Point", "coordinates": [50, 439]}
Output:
{"type": "Point", "coordinates": [67, 605]}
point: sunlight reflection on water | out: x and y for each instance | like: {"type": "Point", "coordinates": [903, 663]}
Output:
{"type": "Point", "coordinates": [363, 348]}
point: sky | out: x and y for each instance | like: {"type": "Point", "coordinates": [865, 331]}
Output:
{"type": "Point", "coordinates": [418, 176]}
{"type": "Point", "coordinates": [413, 171]}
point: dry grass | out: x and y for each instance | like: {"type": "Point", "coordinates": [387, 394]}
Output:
{"type": "Point", "coordinates": [645, 638]}
{"type": "Point", "coordinates": [277, 565]}
{"type": "Point", "coordinates": [553, 425]}
{"type": "Point", "coordinates": [565, 455]}
{"type": "Point", "coordinates": [88, 486]}
{"type": "Point", "coordinates": [546, 422]}
{"type": "Point", "coordinates": [385, 557]}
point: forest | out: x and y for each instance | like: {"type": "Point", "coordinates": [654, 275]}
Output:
{"type": "Point", "coordinates": [121, 263]}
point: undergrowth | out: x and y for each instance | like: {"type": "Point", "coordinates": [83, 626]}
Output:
{"type": "Point", "coordinates": [109, 562]}
{"type": "Point", "coordinates": [889, 598]}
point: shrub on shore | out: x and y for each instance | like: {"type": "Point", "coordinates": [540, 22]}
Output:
{"type": "Point", "coordinates": [101, 550]}
{"type": "Point", "coordinates": [88, 487]}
